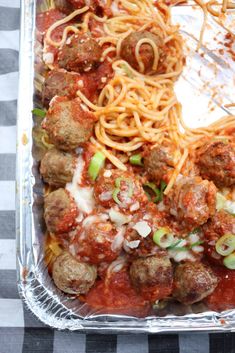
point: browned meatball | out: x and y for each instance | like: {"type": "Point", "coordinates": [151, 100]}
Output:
{"type": "Point", "coordinates": [65, 6]}
{"type": "Point", "coordinates": [57, 167]}
{"type": "Point", "coordinates": [130, 190]}
{"type": "Point", "coordinates": [216, 161]}
{"type": "Point", "coordinates": [71, 276]}
{"type": "Point", "coordinates": [60, 211]}
{"type": "Point", "coordinates": [146, 52]}
{"type": "Point", "coordinates": [152, 276]}
{"type": "Point", "coordinates": [80, 53]}
{"type": "Point", "coordinates": [67, 123]}
{"type": "Point", "coordinates": [60, 83]}
{"type": "Point", "coordinates": [192, 201]}
{"type": "Point", "coordinates": [159, 163]}
{"type": "Point", "coordinates": [99, 242]}
{"type": "Point", "coordinates": [222, 223]}
{"type": "Point", "coordinates": [193, 282]}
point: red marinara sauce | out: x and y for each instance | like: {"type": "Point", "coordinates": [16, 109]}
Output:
{"type": "Point", "coordinates": [45, 19]}
{"type": "Point", "coordinates": [116, 295]}
{"type": "Point", "coordinates": [43, 22]}
{"type": "Point", "coordinates": [223, 297]}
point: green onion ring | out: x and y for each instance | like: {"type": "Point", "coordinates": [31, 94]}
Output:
{"type": "Point", "coordinates": [96, 164]}
{"type": "Point", "coordinates": [156, 191]}
{"type": "Point", "coordinates": [39, 112]}
{"type": "Point", "coordinates": [136, 159]}
{"type": "Point", "coordinates": [129, 183]}
{"type": "Point", "coordinates": [163, 238]}
{"type": "Point", "coordinates": [225, 245]}
{"type": "Point", "coordinates": [229, 261]}
{"type": "Point", "coordinates": [115, 195]}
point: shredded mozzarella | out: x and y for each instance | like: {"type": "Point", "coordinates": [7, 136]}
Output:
{"type": "Point", "coordinates": [142, 228]}
{"type": "Point", "coordinates": [118, 218]}
{"type": "Point", "coordinates": [193, 238]}
{"type": "Point", "coordinates": [48, 58]}
{"type": "Point", "coordinates": [133, 244]}
{"type": "Point", "coordinates": [135, 206]}
{"type": "Point", "coordinates": [107, 173]}
{"type": "Point", "coordinates": [118, 240]}
{"type": "Point", "coordinates": [83, 196]}
{"type": "Point", "coordinates": [105, 196]}
{"type": "Point", "coordinates": [179, 256]}
{"type": "Point", "coordinates": [117, 265]}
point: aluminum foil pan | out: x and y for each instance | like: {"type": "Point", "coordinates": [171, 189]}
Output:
{"type": "Point", "coordinates": [204, 89]}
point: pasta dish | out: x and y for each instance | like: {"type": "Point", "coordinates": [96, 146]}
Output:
{"type": "Point", "coordinates": [139, 207]}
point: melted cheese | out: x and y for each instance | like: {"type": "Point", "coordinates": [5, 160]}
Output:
{"type": "Point", "coordinates": [82, 195]}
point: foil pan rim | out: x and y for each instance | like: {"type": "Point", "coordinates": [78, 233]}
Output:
{"type": "Point", "coordinates": [55, 315]}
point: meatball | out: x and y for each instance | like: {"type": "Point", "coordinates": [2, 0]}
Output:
{"type": "Point", "coordinates": [159, 163]}
{"type": "Point", "coordinates": [192, 201]}
{"type": "Point", "coordinates": [216, 161]}
{"type": "Point", "coordinates": [99, 242]}
{"type": "Point", "coordinates": [68, 125]}
{"type": "Point", "coordinates": [57, 167]}
{"type": "Point", "coordinates": [80, 53]}
{"type": "Point", "coordinates": [222, 223]}
{"type": "Point", "coordinates": [119, 188]}
{"type": "Point", "coordinates": [60, 83]}
{"type": "Point", "coordinates": [193, 281]}
{"type": "Point", "coordinates": [71, 276]}
{"type": "Point", "coordinates": [152, 276]}
{"type": "Point", "coordinates": [146, 52]}
{"type": "Point", "coordinates": [65, 6]}
{"type": "Point", "coordinates": [60, 211]}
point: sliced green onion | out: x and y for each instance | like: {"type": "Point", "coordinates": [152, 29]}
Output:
{"type": "Point", "coordinates": [199, 242]}
{"type": "Point", "coordinates": [39, 112]}
{"type": "Point", "coordinates": [96, 163]}
{"type": "Point", "coordinates": [127, 70]}
{"type": "Point", "coordinates": [195, 231]}
{"type": "Point", "coordinates": [220, 201]}
{"type": "Point", "coordinates": [163, 185]}
{"type": "Point", "coordinates": [136, 159]}
{"type": "Point", "coordinates": [156, 191]}
{"type": "Point", "coordinates": [148, 195]}
{"type": "Point", "coordinates": [225, 245]}
{"type": "Point", "coordinates": [181, 248]}
{"type": "Point", "coordinates": [173, 246]}
{"type": "Point", "coordinates": [118, 186]}
{"type": "Point", "coordinates": [163, 238]}
{"type": "Point", "coordinates": [115, 196]}
{"type": "Point", "coordinates": [229, 261]}
{"type": "Point", "coordinates": [128, 182]}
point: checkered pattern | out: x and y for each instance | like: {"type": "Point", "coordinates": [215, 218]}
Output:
{"type": "Point", "coordinates": [20, 331]}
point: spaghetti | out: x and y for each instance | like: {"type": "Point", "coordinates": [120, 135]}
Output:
{"type": "Point", "coordinates": [135, 108]}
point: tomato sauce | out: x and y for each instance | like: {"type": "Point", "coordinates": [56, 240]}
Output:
{"type": "Point", "coordinates": [45, 19]}
{"type": "Point", "coordinates": [117, 296]}
{"type": "Point", "coordinates": [223, 297]}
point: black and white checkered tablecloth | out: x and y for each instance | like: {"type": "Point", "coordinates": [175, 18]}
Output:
{"type": "Point", "coordinates": [19, 330]}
